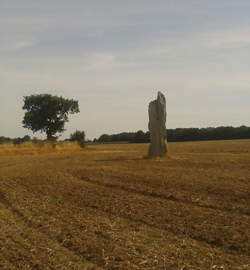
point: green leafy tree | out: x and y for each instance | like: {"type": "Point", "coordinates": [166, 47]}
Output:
{"type": "Point", "coordinates": [78, 136]}
{"type": "Point", "coordinates": [47, 113]}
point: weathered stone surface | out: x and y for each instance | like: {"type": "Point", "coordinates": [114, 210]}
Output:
{"type": "Point", "coordinates": [157, 126]}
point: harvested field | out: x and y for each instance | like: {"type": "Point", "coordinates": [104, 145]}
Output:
{"type": "Point", "coordinates": [108, 207]}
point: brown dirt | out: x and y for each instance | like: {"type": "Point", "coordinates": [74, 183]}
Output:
{"type": "Point", "coordinates": [108, 207]}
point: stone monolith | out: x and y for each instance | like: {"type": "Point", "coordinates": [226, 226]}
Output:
{"type": "Point", "coordinates": [157, 126]}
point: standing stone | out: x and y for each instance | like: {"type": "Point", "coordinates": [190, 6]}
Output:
{"type": "Point", "coordinates": [157, 126]}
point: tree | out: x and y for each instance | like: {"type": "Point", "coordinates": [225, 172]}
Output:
{"type": "Point", "coordinates": [47, 113]}
{"type": "Point", "coordinates": [19, 140]}
{"type": "Point", "coordinates": [140, 137]}
{"type": "Point", "coordinates": [105, 138]}
{"type": "Point", "coordinates": [78, 136]}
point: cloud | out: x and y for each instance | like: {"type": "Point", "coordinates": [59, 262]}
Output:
{"type": "Point", "coordinates": [113, 56]}
{"type": "Point", "coordinates": [16, 45]}
{"type": "Point", "coordinates": [228, 39]}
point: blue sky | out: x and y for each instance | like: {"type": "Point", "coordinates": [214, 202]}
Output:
{"type": "Point", "coordinates": [113, 56]}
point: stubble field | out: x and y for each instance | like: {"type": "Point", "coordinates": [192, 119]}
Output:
{"type": "Point", "coordinates": [108, 207]}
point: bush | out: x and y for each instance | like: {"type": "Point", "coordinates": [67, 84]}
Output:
{"type": "Point", "coordinates": [78, 136]}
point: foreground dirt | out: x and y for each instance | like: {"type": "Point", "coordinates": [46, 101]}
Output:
{"type": "Point", "coordinates": [107, 207]}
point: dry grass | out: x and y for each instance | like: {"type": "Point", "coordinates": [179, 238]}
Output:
{"type": "Point", "coordinates": [107, 207]}
{"type": "Point", "coordinates": [38, 147]}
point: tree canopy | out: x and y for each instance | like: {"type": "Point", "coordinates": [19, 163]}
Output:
{"type": "Point", "coordinates": [47, 113]}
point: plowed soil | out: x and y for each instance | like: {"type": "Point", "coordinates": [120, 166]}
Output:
{"type": "Point", "coordinates": [109, 207]}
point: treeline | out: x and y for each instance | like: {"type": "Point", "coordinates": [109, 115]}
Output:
{"type": "Point", "coordinates": [181, 134]}
{"type": "Point", "coordinates": [77, 136]}
{"type": "Point", "coordinates": [17, 140]}
{"type": "Point", "coordinates": [173, 135]}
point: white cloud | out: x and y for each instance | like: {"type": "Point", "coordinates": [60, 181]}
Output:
{"type": "Point", "coordinates": [228, 39]}
{"type": "Point", "coordinates": [16, 45]}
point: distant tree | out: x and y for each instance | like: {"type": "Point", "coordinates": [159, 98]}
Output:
{"type": "Point", "coordinates": [26, 138]}
{"type": "Point", "coordinates": [4, 139]}
{"type": "Point", "coordinates": [78, 136]}
{"type": "Point", "coordinates": [140, 137]}
{"type": "Point", "coordinates": [19, 140]}
{"type": "Point", "coordinates": [182, 134]}
{"type": "Point", "coordinates": [105, 138]}
{"type": "Point", "coordinates": [120, 137]}
{"type": "Point", "coordinates": [47, 113]}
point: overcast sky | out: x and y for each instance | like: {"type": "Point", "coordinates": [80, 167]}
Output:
{"type": "Point", "coordinates": [114, 55]}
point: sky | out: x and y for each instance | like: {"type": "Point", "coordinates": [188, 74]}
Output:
{"type": "Point", "coordinates": [113, 56]}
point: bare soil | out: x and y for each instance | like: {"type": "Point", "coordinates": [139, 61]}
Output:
{"type": "Point", "coordinates": [109, 207]}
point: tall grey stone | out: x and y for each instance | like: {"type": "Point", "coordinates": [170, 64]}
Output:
{"type": "Point", "coordinates": [157, 126]}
